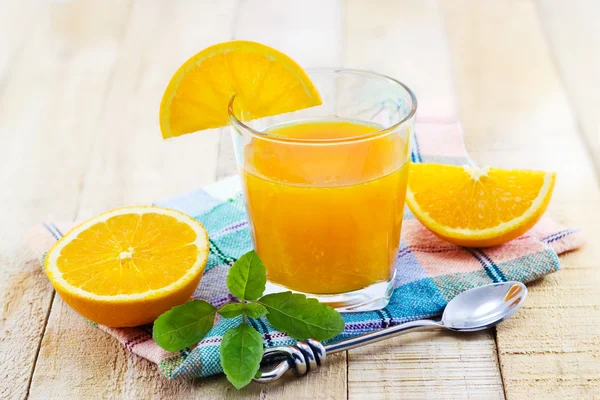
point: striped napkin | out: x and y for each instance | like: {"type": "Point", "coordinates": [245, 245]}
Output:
{"type": "Point", "coordinates": [430, 271]}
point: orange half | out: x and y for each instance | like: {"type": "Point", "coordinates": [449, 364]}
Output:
{"type": "Point", "coordinates": [128, 266]}
{"type": "Point", "coordinates": [478, 207]}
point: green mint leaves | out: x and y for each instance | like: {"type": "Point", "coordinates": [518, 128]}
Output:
{"type": "Point", "coordinates": [242, 347]}
{"type": "Point", "coordinates": [300, 317]}
{"type": "Point", "coordinates": [247, 278]}
{"type": "Point", "coordinates": [184, 326]}
{"type": "Point", "coordinates": [241, 352]}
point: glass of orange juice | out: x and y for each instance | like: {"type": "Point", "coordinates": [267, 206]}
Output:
{"type": "Point", "coordinates": [324, 188]}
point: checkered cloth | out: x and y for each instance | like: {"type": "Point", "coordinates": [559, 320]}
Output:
{"type": "Point", "coordinates": [430, 271]}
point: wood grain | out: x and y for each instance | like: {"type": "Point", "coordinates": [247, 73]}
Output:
{"type": "Point", "coordinates": [16, 22]}
{"type": "Point", "coordinates": [515, 112]}
{"type": "Point", "coordinates": [573, 38]}
{"type": "Point", "coordinates": [45, 134]}
{"type": "Point", "coordinates": [406, 40]}
{"type": "Point", "coordinates": [428, 365]}
{"type": "Point", "coordinates": [431, 365]}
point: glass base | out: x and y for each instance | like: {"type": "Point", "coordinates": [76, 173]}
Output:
{"type": "Point", "coordinates": [371, 298]}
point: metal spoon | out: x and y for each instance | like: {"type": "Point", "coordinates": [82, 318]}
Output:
{"type": "Point", "coordinates": [474, 310]}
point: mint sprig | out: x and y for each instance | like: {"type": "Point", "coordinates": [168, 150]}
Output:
{"type": "Point", "coordinates": [241, 352]}
{"type": "Point", "coordinates": [242, 347]}
{"type": "Point", "coordinates": [184, 326]}
{"type": "Point", "coordinates": [247, 278]}
{"type": "Point", "coordinates": [300, 317]}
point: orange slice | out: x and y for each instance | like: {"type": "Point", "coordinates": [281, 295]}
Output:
{"type": "Point", "coordinates": [264, 81]}
{"type": "Point", "coordinates": [477, 207]}
{"type": "Point", "coordinates": [128, 266]}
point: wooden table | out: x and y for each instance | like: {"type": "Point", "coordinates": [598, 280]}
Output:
{"type": "Point", "coordinates": [80, 85]}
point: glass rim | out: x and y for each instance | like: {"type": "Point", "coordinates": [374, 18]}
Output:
{"type": "Point", "coordinates": [235, 121]}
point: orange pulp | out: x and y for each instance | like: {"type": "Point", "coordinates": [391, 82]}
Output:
{"type": "Point", "coordinates": [326, 218]}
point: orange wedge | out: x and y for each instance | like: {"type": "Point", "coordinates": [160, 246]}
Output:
{"type": "Point", "coordinates": [264, 81]}
{"type": "Point", "coordinates": [128, 266]}
{"type": "Point", "coordinates": [477, 207]}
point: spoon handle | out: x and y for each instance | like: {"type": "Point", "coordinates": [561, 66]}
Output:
{"type": "Point", "coordinates": [308, 355]}
{"type": "Point", "coordinates": [376, 336]}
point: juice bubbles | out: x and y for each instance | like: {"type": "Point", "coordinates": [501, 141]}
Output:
{"type": "Point", "coordinates": [326, 217]}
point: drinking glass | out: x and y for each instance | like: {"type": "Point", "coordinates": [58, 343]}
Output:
{"type": "Point", "coordinates": [324, 188]}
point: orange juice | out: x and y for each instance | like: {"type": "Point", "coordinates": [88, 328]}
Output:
{"type": "Point", "coordinates": [326, 217]}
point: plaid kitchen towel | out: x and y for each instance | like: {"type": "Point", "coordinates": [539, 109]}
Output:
{"type": "Point", "coordinates": [430, 271]}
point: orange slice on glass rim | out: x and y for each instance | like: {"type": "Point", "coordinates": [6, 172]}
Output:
{"type": "Point", "coordinates": [264, 81]}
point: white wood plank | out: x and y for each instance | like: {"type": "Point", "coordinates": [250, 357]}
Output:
{"type": "Point", "coordinates": [573, 37]}
{"type": "Point", "coordinates": [515, 113]}
{"type": "Point", "coordinates": [309, 31]}
{"type": "Point", "coordinates": [44, 131]}
{"type": "Point", "coordinates": [406, 40]}
{"type": "Point", "coordinates": [429, 365]}
{"type": "Point", "coordinates": [17, 19]}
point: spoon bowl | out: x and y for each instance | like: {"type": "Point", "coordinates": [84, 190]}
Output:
{"type": "Point", "coordinates": [484, 306]}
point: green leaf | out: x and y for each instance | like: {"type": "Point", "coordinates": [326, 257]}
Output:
{"type": "Point", "coordinates": [184, 326]}
{"type": "Point", "coordinates": [302, 318]}
{"type": "Point", "coordinates": [241, 353]}
{"type": "Point", "coordinates": [252, 310]}
{"type": "Point", "coordinates": [247, 277]}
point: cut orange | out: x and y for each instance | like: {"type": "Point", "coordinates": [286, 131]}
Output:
{"type": "Point", "coordinates": [128, 266]}
{"type": "Point", "coordinates": [265, 82]}
{"type": "Point", "coordinates": [477, 207]}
